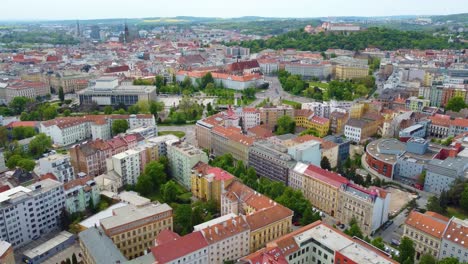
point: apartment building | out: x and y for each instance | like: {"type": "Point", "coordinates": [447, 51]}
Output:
{"type": "Point", "coordinates": [69, 81]}
{"type": "Point", "coordinates": [250, 117]}
{"type": "Point", "coordinates": [368, 206]}
{"type": "Point", "coordinates": [308, 120]}
{"type": "Point", "coordinates": [208, 182]}
{"type": "Point", "coordinates": [29, 89]}
{"type": "Point", "coordinates": [230, 140]}
{"type": "Point", "coordinates": [29, 212]}
{"type": "Point", "coordinates": [267, 220]}
{"type": "Point", "coordinates": [322, 187]}
{"type": "Point", "coordinates": [358, 130]}
{"type": "Point", "coordinates": [296, 176]}
{"type": "Point", "coordinates": [328, 149]}
{"type": "Point", "coordinates": [203, 134]}
{"type": "Point", "coordinates": [97, 248]}
{"type": "Point", "coordinates": [228, 238]}
{"type": "Point", "coordinates": [416, 104]}
{"type": "Point", "coordinates": [269, 115]}
{"type": "Point", "coordinates": [79, 193]}
{"type": "Point", "coordinates": [70, 130]}
{"type": "Point", "coordinates": [127, 165]}
{"type": "Point", "coordinates": [171, 248]}
{"type": "Point", "coordinates": [454, 242]}
{"type": "Point", "coordinates": [182, 158]}
{"type": "Point", "coordinates": [426, 231]}
{"type": "Point", "coordinates": [308, 152]}
{"type": "Point", "coordinates": [338, 121]}
{"type": "Point", "coordinates": [59, 165]}
{"type": "Point", "coordinates": [133, 229]}
{"type": "Point", "coordinates": [271, 161]}
{"type": "Point", "coordinates": [348, 71]}
{"type": "Point", "coordinates": [318, 243]}
{"type": "Point", "coordinates": [308, 71]}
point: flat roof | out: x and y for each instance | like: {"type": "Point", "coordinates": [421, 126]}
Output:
{"type": "Point", "coordinates": [134, 198]}
{"type": "Point", "coordinates": [130, 213]}
{"type": "Point", "coordinates": [94, 220]}
{"type": "Point", "coordinates": [4, 246]}
{"type": "Point", "coordinates": [6, 195]}
{"type": "Point", "coordinates": [361, 254]}
{"type": "Point", "coordinates": [214, 221]}
{"type": "Point", "coordinates": [100, 247]}
{"type": "Point", "coordinates": [48, 245]}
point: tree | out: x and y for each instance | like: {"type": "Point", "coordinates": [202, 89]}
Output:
{"type": "Point", "coordinates": [13, 161]}
{"type": "Point", "coordinates": [325, 163]}
{"type": "Point", "coordinates": [61, 94]}
{"type": "Point", "coordinates": [455, 104]}
{"type": "Point", "coordinates": [464, 199]}
{"type": "Point", "coordinates": [108, 110]}
{"type": "Point", "coordinates": [156, 171]}
{"type": "Point", "coordinates": [156, 107]}
{"type": "Point", "coordinates": [119, 126]}
{"type": "Point", "coordinates": [354, 230]}
{"type": "Point", "coordinates": [407, 251]}
{"type": "Point", "coordinates": [18, 104]}
{"type": "Point", "coordinates": [197, 216]}
{"type": "Point", "coordinates": [309, 217]}
{"type": "Point", "coordinates": [427, 259]}
{"type": "Point", "coordinates": [144, 185]}
{"type": "Point", "coordinates": [68, 261]}
{"type": "Point", "coordinates": [448, 261]}
{"type": "Point", "coordinates": [19, 133]}
{"type": "Point", "coordinates": [40, 144]}
{"type": "Point", "coordinates": [285, 125]}
{"type": "Point", "coordinates": [169, 191]}
{"type": "Point", "coordinates": [422, 177]}
{"type": "Point", "coordinates": [74, 259]}
{"type": "Point", "coordinates": [206, 79]}
{"type": "Point", "coordinates": [433, 204]}
{"type": "Point", "coordinates": [378, 243]}
{"type": "Point", "coordinates": [183, 219]}
{"type": "Point", "coordinates": [159, 82]}
{"type": "Point", "coordinates": [3, 136]}
{"type": "Point", "coordinates": [26, 164]}
{"type": "Point", "coordinates": [66, 112]}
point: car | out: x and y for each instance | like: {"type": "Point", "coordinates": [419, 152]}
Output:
{"type": "Point", "coordinates": [395, 242]}
{"type": "Point", "coordinates": [342, 226]}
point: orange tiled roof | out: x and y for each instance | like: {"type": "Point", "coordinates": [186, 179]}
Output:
{"type": "Point", "coordinates": [430, 223]}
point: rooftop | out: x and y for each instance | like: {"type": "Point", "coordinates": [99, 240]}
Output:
{"type": "Point", "coordinates": [100, 247]}
{"type": "Point", "coordinates": [130, 213]}
{"type": "Point", "coordinates": [178, 247]}
{"type": "Point", "coordinates": [95, 219]}
{"type": "Point", "coordinates": [48, 245]}
{"type": "Point", "coordinates": [430, 223]}
{"type": "Point", "coordinates": [457, 232]}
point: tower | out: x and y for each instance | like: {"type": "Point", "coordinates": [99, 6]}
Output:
{"type": "Point", "coordinates": [126, 33]}
{"type": "Point", "coordinates": [78, 32]}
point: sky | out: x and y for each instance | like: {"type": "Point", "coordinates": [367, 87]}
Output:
{"type": "Point", "coordinates": [95, 9]}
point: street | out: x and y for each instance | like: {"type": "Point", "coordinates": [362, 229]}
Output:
{"type": "Point", "coordinates": [275, 92]}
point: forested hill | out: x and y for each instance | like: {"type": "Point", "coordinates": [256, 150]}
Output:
{"type": "Point", "coordinates": [382, 38]}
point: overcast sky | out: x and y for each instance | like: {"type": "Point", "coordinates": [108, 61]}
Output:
{"type": "Point", "coordinates": [93, 9]}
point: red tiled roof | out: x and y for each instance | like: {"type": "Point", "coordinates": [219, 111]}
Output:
{"type": "Point", "coordinates": [179, 247]}
{"type": "Point", "coordinates": [457, 232]}
{"type": "Point", "coordinates": [322, 175]}
{"type": "Point", "coordinates": [267, 216]}
{"type": "Point", "coordinates": [430, 223]}
{"type": "Point", "coordinates": [48, 176]}
{"type": "Point", "coordinates": [166, 236]}
{"type": "Point", "coordinates": [22, 124]}
{"type": "Point", "coordinates": [77, 182]}
{"type": "Point", "coordinates": [115, 69]}
{"type": "Point", "coordinates": [4, 188]}
{"type": "Point", "coordinates": [461, 122]}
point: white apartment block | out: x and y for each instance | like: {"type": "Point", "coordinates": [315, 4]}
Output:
{"type": "Point", "coordinates": [78, 194]}
{"type": "Point", "coordinates": [454, 240]}
{"type": "Point", "coordinates": [296, 176]}
{"type": "Point", "coordinates": [59, 165]}
{"type": "Point", "coordinates": [182, 157]}
{"type": "Point", "coordinates": [30, 212]}
{"type": "Point", "coordinates": [250, 117]}
{"type": "Point", "coordinates": [126, 165]}
{"type": "Point", "coordinates": [353, 133]}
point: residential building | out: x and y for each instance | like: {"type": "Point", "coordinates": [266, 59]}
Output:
{"type": "Point", "coordinates": [318, 243]}
{"type": "Point", "coordinates": [230, 140]}
{"type": "Point", "coordinates": [79, 193]}
{"type": "Point", "coordinates": [415, 104]}
{"type": "Point", "coordinates": [228, 238]}
{"type": "Point", "coordinates": [321, 188]}
{"type": "Point", "coordinates": [30, 212]}
{"type": "Point", "coordinates": [29, 89]}
{"type": "Point", "coordinates": [296, 176]}
{"type": "Point", "coordinates": [208, 182]}
{"type": "Point", "coordinates": [127, 165]}
{"type": "Point", "coordinates": [343, 147]}
{"type": "Point", "coordinates": [271, 161]}
{"type": "Point", "coordinates": [307, 71]}
{"type": "Point", "coordinates": [69, 81]}
{"type": "Point", "coordinates": [440, 174]}
{"type": "Point", "coordinates": [359, 130]}
{"type": "Point", "coordinates": [308, 120]}
{"type": "Point", "coordinates": [107, 91]}
{"type": "Point", "coordinates": [266, 219]}
{"type": "Point", "coordinates": [308, 152]}
{"type": "Point", "coordinates": [250, 117]}
{"type": "Point", "coordinates": [203, 134]}
{"type": "Point", "coordinates": [49, 248]}
{"type": "Point", "coordinates": [368, 206]}
{"type": "Point", "coordinates": [454, 243]}
{"type": "Point", "coordinates": [338, 121]}
{"type": "Point", "coordinates": [171, 248]}
{"type": "Point", "coordinates": [328, 149]}
{"type": "Point", "coordinates": [7, 255]}
{"type": "Point", "coordinates": [269, 115]}
{"type": "Point", "coordinates": [3, 166]}
{"type": "Point", "coordinates": [426, 231]}
{"type": "Point", "coordinates": [239, 81]}
{"type": "Point", "coordinates": [133, 229]}
{"type": "Point", "coordinates": [96, 247]}
{"type": "Point", "coordinates": [59, 165]}
{"type": "Point", "coordinates": [182, 158]}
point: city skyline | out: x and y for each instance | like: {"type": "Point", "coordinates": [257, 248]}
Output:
{"type": "Point", "coordinates": [105, 9]}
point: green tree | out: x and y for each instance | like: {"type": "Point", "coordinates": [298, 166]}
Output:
{"type": "Point", "coordinates": [455, 104]}
{"type": "Point", "coordinates": [407, 251]}
{"type": "Point", "coordinates": [19, 133]}
{"type": "Point", "coordinates": [66, 112]}
{"type": "Point", "coordinates": [26, 164]}
{"type": "Point", "coordinates": [119, 126]}
{"type": "Point", "coordinates": [108, 110]}
{"type": "Point", "coordinates": [61, 94]}
{"type": "Point", "coordinates": [169, 191]}
{"type": "Point", "coordinates": [183, 219]}
{"type": "Point", "coordinates": [13, 161]}
{"type": "Point", "coordinates": [427, 259]}
{"type": "Point", "coordinates": [68, 261]}
{"type": "Point", "coordinates": [448, 261]}
{"type": "Point", "coordinates": [197, 216]}
{"type": "Point", "coordinates": [18, 104]}
{"type": "Point", "coordinates": [433, 204]}
{"type": "Point", "coordinates": [206, 79]}
{"type": "Point", "coordinates": [354, 230]}
{"type": "Point", "coordinates": [40, 144]}
{"type": "Point", "coordinates": [144, 185]}
{"type": "Point", "coordinates": [378, 243]}
{"type": "Point", "coordinates": [285, 125]}
{"type": "Point", "coordinates": [156, 107]}
{"type": "Point", "coordinates": [156, 171]}
{"type": "Point", "coordinates": [159, 82]}
{"type": "Point", "coordinates": [464, 199]}
{"type": "Point", "coordinates": [74, 259]}
{"type": "Point", "coordinates": [309, 217]}
{"type": "Point", "coordinates": [3, 136]}
{"type": "Point", "coordinates": [325, 163]}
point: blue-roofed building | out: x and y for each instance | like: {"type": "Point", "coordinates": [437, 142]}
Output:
{"type": "Point", "coordinates": [97, 248]}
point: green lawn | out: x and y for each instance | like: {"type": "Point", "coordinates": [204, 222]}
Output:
{"type": "Point", "coordinates": [319, 84]}
{"type": "Point", "coordinates": [296, 105]}
{"type": "Point", "coordinates": [178, 134]}
{"type": "Point", "coordinates": [457, 212]}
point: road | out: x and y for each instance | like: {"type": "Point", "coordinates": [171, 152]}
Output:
{"type": "Point", "coordinates": [189, 131]}
{"type": "Point", "coordinates": [275, 92]}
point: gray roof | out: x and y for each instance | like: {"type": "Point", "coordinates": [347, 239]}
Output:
{"type": "Point", "coordinates": [100, 247]}
{"type": "Point", "coordinates": [145, 259]}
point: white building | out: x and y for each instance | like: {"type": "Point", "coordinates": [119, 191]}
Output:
{"type": "Point", "coordinates": [250, 117]}
{"type": "Point", "coordinates": [28, 213]}
{"type": "Point", "coordinates": [296, 176]}
{"type": "Point", "coordinates": [59, 165]}
{"type": "Point", "coordinates": [308, 152]}
{"type": "Point", "coordinates": [126, 165]}
{"type": "Point", "coordinates": [79, 193]}
{"type": "Point", "coordinates": [454, 240]}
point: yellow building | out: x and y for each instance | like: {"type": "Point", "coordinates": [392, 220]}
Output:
{"type": "Point", "coordinates": [345, 72]}
{"type": "Point", "coordinates": [267, 219]}
{"type": "Point", "coordinates": [269, 115]}
{"type": "Point", "coordinates": [321, 188]}
{"type": "Point", "coordinates": [208, 182]}
{"type": "Point", "coordinates": [357, 110]}
{"type": "Point", "coordinates": [426, 231]}
{"type": "Point", "coordinates": [133, 229]}
{"type": "Point", "coordinates": [428, 79]}
{"type": "Point", "coordinates": [307, 119]}
{"type": "Point", "coordinates": [338, 121]}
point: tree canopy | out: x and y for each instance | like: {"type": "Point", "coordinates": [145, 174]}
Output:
{"type": "Point", "coordinates": [455, 104]}
{"type": "Point", "coordinates": [286, 124]}
{"type": "Point", "coordinates": [119, 126]}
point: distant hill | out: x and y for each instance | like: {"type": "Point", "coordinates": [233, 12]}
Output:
{"type": "Point", "coordinates": [457, 18]}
